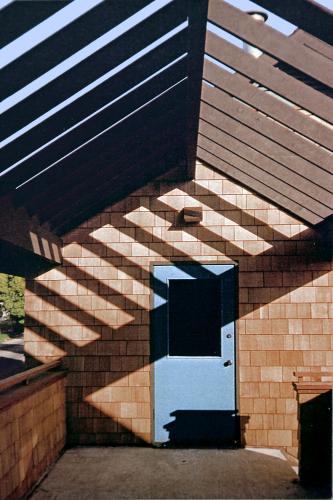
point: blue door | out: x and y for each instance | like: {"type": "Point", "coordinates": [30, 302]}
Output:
{"type": "Point", "coordinates": [193, 353]}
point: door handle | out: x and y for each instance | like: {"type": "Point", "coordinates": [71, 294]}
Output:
{"type": "Point", "coordinates": [228, 363]}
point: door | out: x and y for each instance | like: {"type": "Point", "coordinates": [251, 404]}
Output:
{"type": "Point", "coordinates": [193, 353]}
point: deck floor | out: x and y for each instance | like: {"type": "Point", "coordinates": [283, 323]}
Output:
{"type": "Point", "coordinates": [129, 472]}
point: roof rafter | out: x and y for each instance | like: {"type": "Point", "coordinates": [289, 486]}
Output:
{"type": "Point", "coordinates": [80, 131]}
{"type": "Point", "coordinates": [306, 14]}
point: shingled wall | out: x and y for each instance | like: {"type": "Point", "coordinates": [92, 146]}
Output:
{"type": "Point", "coordinates": [93, 311]}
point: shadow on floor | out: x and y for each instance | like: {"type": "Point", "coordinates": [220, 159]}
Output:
{"type": "Point", "coordinates": [203, 427]}
{"type": "Point", "coordinates": [118, 472]}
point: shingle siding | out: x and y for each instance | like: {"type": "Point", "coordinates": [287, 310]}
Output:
{"type": "Point", "coordinates": [93, 311]}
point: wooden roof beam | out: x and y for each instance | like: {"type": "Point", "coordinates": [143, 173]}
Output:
{"type": "Point", "coordinates": [94, 101]}
{"type": "Point", "coordinates": [293, 186]}
{"type": "Point", "coordinates": [91, 69]}
{"type": "Point", "coordinates": [44, 188]}
{"type": "Point", "coordinates": [306, 14]}
{"type": "Point", "coordinates": [79, 137]}
{"type": "Point", "coordinates": [127, 182]}
{"type": "Point", "coordinates": [99, 170]}
{"type": "Point", "coordinates": [272, 78]}
{"type": "Point", "coordinates": [271, 41]}
{"type": "Point", "coordinates": [137, 163]}
{"type": "Point", "coordinates": [197, 30]}
{"type": "Point", "coordinates": [239, 87]}
{"type": "Point", "coordinates": [209, 152]}
{"type": "Point", "coordinates": [95, 19]}
{"type": "Point", "coordinates": [282, 144]}
{"type": "Point", "coordinates": [313, 43]}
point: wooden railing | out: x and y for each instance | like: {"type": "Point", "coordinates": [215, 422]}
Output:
{"type": "Point", "coordinates": [39, 410]}
{"type": "Point", "coordinates": [27, 375]}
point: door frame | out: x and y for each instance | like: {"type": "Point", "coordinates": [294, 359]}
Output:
{"type": "Point", "coordinates": [151, 334]}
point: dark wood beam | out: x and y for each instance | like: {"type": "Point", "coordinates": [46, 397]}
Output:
{"type": "Point", "coordinates": [96, 125]}
{"type": "Point", "coordinates": [108, 147]}
{"type": "Point", "coordinates": [207, 152]}
{"type": "Point", "coordinates": [267, 136]}
{"type": "Point", "coordinates": [98, 98]}
{"type": "Point", "coordinates": [127, 182]}
{"type": "Point", "coordinates": [281, 178]}
{"type": "Point", "coordinates": [65, 42]}
{"type": "Point", "coordinates": [313, 43]}
{"type": "Point", "coordinates": [271, 41]}
{"type": "Point", "coordinates": [239, 87]}
{"type": "Point", "coordinates": [19, 17]}
{"type": "Point", "coordinates": [21, 262]}
{"type": "Point", "coordinates": [197, 18]}
{"type": "Point", "coordinates": [127, 135]}
{"type": "Point", "coordinates": [272, 78]}
{"type": "Point", "coordinates": [93, 67]}
{"type": "Point", "coordinates": [306, 14]}
{"type": "Point", "coordinates": [137, 163]}
{"type": "Point", "coordinates": [107, 165]}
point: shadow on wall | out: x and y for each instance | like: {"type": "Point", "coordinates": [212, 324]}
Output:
{"type": "Point", "coordinates": [94, 312]}
{"type": "Point", "coordinates": [316, 443]}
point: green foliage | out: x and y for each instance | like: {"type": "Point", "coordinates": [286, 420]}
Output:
{"type": "Point", "coordinates": [12, 296]}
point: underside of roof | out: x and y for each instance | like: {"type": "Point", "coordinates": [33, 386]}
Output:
{"type": "Point", "coordinates": [101, 97]}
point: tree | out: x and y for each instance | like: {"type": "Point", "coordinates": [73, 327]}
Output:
{"type": "Point", "coordinates": [12, 297]}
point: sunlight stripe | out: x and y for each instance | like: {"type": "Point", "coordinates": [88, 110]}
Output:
{"type": "Point", "coordinates": [44, 30]}
{"type": "Point", "coordinates": [82, 54]}
{"type": "Point", "coordinates": [4, 3]}
{"type": "Point", "coordinates": [90, 87]}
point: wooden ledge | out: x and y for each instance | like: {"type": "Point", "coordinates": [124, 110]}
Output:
{"type": "Point", "coordinates": [318, 382]}
{"type": "Point", "coordinates": [312, 387]}
{"type": "Point", "coordinates": [27, 375]}
{"type": "Point", "coordinates": [16, 394]}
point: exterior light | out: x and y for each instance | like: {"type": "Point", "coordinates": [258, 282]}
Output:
{"type": "Point", "coordinates": [192, 215]}
{"type": "Point", "coordinates": [260, 17]}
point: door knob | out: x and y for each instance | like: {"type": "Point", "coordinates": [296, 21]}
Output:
{"type": "Point", "coordinates": [228, 363]}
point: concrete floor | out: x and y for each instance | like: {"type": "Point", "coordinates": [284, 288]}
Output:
{"type": "Point", "coordinates": [123, 472]}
